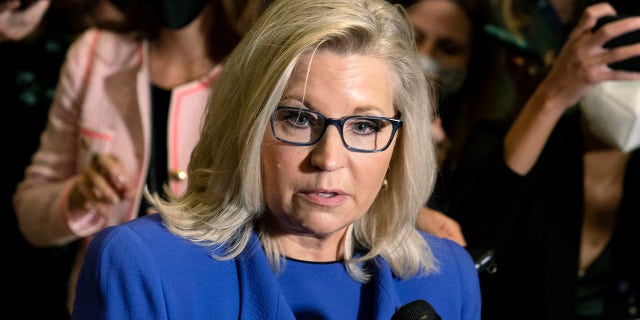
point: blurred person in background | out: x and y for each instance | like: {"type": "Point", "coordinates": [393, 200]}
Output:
{"type": "Point", "coordinates": [125, 117]}
{"type": "Point", "coordinates": [18, 20]}
{"type": "Point", "coordinates": [455, 56]}
{"type": "Point", "coordinates": [34, 37]}
{"type": "Point", "coordinates": [556, 195]}
{"type": "Point", "coordinates": [449, 36]}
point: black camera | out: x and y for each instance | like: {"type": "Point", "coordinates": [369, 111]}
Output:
{"type": "Point", "coordinates": [631, 64]}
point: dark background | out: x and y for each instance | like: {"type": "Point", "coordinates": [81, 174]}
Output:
{"type": "Point", "coordinates": [29, 70]}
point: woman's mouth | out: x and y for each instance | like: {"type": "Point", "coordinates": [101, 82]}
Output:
{"type": "Point", "coordinates": [329, 198]}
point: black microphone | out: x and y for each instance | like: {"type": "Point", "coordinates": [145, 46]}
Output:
{"type": "Point", "coordinates": [416, 310]}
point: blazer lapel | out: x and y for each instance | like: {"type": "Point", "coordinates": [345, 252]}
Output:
{"type": "Point", "coordinates": [386, 300]}
{"type": "Point", "coordinates": [259, 290]}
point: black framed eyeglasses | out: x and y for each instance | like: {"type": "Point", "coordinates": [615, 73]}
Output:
{"type": "Point", "coordinates": [303, 127]}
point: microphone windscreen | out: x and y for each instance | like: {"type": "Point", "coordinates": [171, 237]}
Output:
{"type": "Point", "coordinates": [416, 310]}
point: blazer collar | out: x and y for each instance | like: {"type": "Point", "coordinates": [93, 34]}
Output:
{"type": "Point", "coordinates": [261, 297]}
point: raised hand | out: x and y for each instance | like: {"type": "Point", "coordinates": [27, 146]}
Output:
{"type": "Point", "coordinates": [16, 23]}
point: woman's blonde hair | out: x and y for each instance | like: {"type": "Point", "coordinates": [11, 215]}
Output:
{"type": "Point", "coordinates": [224, 203]}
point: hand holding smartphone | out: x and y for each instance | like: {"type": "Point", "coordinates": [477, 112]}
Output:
{"type": "Point", "coordinates": [631, 64]}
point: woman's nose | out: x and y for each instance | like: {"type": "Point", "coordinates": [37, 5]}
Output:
{"type": "Point", "coordinates": [329, 153]}
{"type": "Point", "coordinates": [427, 47]}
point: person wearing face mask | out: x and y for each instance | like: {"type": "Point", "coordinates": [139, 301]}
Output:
{"type": "Point", "coordinates": [558, 197]}
{"type": "Point", "coordinates": [453, 55]}
{"type": "Point", "coordinates": [433, 23]}
{"type": "Point", "coordinates": [445, 59]}
{"type": "Point", "coordinates": [444, 33]}
{"type": "Point", "coordinates": [125, 117]}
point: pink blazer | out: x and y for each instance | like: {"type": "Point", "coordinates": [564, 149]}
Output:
{"type": "Point", "coordinates": [102, 105]}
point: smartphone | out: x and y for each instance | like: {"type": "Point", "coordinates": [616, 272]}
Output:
{"type": "Point", "coordinates": [631, 64]}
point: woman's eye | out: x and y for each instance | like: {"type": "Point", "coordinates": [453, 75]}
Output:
{"type": "Point", "coordinates": [365, 126]}
{"type": "Point", "coordinates": [299, 119]}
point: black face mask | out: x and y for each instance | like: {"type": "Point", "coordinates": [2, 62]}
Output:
{"type": "Point", "coordinates": [176, 14]}
{"type": "Point", "coordinates": [119, 3]}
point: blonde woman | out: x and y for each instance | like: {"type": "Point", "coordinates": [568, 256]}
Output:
{"type": "Point", "coordinates": [303, 189]}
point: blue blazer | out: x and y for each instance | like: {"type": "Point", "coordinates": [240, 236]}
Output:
{"type": "Point", "coordinates": [139, 270]}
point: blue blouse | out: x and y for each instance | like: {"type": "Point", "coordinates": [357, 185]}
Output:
{"type": "Point", "coordinates": [139, 270]}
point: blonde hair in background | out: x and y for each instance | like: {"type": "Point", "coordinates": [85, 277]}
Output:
{"type": "Point", "coordinates": [224, 203]}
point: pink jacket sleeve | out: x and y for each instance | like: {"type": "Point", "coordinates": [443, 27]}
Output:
{"type": "Point", "coordinates": [40, 199]}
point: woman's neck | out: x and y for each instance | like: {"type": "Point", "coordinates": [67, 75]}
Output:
{"type": "Point", "coordinates": [310, 248]}
{"type": "Point", "coordinates": [179, 56]}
